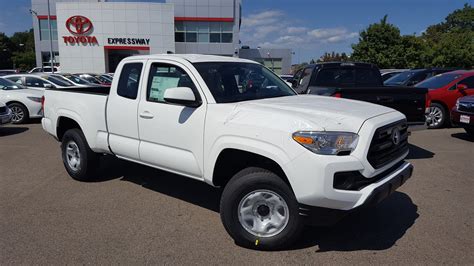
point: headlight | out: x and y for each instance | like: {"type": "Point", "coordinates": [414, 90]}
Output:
{"type": "Point", "coordinates": [34, 99]}
{"type": "Point", "coordinates": [457, 104]}
{"type": "Point", "coordinates": [327, 143]}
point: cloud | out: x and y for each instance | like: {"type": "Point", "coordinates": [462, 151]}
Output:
{"type": "Point", "coordinates": [273, 28]}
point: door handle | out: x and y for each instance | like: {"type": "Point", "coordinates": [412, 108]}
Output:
{"type": "Point", "coordinates": [385, 99]}
{"type": "Point", "coordinates": [146, 115]}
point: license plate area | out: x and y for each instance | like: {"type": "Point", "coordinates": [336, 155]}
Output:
{"type": "Point", "coordinates": [465, 119]}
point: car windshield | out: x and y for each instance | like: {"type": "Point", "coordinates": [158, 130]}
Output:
{"type": "Point", "coordinates": [401, 78]}
{"type": "Point", "coordinates": [59, 81]}
{"type": "Point", "coordinates": [91, 79]}
{"type": "Point", "coordinates": [77, 79]}
{"type": "Point", "coordinates": [438, 81]}
{"type": "Point", "coordinates": [6, 84]}
{"type": "Point", "coordinates": [235, 82]}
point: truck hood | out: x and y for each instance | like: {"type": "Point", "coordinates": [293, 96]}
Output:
{"type": "Point", "coordinates": [308, 112]}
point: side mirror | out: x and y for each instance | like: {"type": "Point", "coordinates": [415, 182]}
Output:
{"type": "Point", "coordinates": [181, 95]}
{"type": "Point", "coordinates": [461, 87]}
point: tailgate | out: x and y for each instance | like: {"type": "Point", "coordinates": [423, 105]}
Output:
{"type": "Point", "coordinates": [407, 100]}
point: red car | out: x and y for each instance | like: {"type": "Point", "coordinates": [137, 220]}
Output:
{"type": "Point", "coordinates": [444, 90]}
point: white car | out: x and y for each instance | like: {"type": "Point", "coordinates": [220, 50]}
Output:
{"type": "Point", "coordinates": [44, 70]}
{"type": "Point", "coordinates": [5, 114]}
{"type": "Point", "coordinates": [75, 80]}
{"type": "Point", "coordinates": [24, 103]}
{"type": "Point", "coordinates": [283, 159]}
{"type": "Point", "coordinates": [40, 81]}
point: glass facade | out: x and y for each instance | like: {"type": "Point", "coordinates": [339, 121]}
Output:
{"type": "Point", "coordinates": [203, 32]}
{"type": "Point", "coordinates": [44, 29]}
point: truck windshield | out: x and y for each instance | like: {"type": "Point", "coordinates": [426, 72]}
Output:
{"type": "Point", "coordinates": [235, 82]}
{"type": "Point", "coordinates": [438, 81]}
{"type": "Point", "coordinates": [354, 77]}
{"type": "Point", "coordinates": [59, 81]}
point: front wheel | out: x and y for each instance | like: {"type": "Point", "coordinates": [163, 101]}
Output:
{"type": "Point", "coordinates": [436, 117]}
{"type": "Point", "coordinates": [79, 160]}
{"type": "Point", "coordinates": [258, 210]}
{"type": "Point", "coordinates": [20, 113]}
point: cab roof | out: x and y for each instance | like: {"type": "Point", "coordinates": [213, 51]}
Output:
{"type": "Point", "coordinates": [193, 58]}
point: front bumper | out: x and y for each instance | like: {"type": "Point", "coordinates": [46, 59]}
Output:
{"type": "Point", "coordinates": [456, 118]}
{"type": "Point", "coordinates": [6, 117]}
{"type": "Point", "coordinates": [379, 191]}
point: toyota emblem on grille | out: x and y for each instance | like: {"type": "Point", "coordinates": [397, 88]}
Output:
{"type": "Point", "coordinates": [78, 25]}
{"type": "Point", "coordinates": [395, 136]}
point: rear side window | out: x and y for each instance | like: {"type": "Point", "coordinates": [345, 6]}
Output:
{"type": "Point", "coordinates": [129, 79]}
{"type": "Point", "coordinates": [334, 77]}
{"type": "Point", "coordinates": [368, 77]}
{"type": "Point", "coordinates": [163, 77]}
{"type": "Point", "coordinates": [34, 82]}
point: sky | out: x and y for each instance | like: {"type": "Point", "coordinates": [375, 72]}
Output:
{"type": "Point", "coordinates": [308, 27]}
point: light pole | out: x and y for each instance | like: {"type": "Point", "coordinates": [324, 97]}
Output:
{"type": "Point", "coordinates": [51, 55]}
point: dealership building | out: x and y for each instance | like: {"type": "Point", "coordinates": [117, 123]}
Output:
{"type": "Point", "coordinates": [94, 35]}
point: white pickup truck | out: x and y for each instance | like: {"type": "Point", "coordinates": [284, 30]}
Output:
{"type": "Point", "coordinates": [283, 160]}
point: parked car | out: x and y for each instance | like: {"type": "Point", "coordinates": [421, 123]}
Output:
{"type": "Point", "coordinates": [75, 80]}
{"type": "Point", "coordinates": [44, 70]}
{"type": "Point", "coordinates": [93, 78]}
{"type": "Point", "coordinates": [5, 113]}
{"type": "Point", "coordinates": [444, 90]}
{"type": "Point", "coordinates": [361, 81]}
{"type": "Point", "coordinates": [4, 72]}
{"type": "Point", "coordinates": [388, 73]}
{"type": "Point", "coordinates": [24, 103]}
{"type": "Point", "coordinates": [414, 76]}
{"type": "Point", "coordinates": [39, 81]}
{"type": "Point", "coordinates": [463, 114]}
{"type": "Point", "coordinates": [283, 159]}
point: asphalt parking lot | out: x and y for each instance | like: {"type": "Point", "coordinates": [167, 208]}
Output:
{"type": "Point", "coordinates": [135, 214]}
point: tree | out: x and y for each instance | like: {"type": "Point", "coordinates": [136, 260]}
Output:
{"type": "Point", "coordinates": [452, 41]}
{"type": "Point", "coordinates": [5, 51]}
{"type": "Point", "coordinates": [24, 56]}
{"type": "Point", "coordinates": [380, 44]}
{"type": "Point", "coordinates": [333, 57]}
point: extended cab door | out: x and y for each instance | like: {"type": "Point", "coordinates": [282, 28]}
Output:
{"type": "Point", "coordinates": [122, 112]}
{"type": "Point", "coordinates": [171, 135]}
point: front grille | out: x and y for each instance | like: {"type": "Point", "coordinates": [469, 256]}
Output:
{"type": "Point", "coordinates": [383, 148]}
{"type": "Point", "coordinates": [3, 109]}
{"type": "Point", "coordinates": [466, 107]}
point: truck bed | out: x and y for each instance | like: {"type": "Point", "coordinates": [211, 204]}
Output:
{"type": "Point", "coordinates": [408, 100]}
{"type": "Point", "coordinates": [85, 105]}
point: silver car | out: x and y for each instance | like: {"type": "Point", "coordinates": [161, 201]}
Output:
{"type": "Point", "coordinates": [5, 114]}
{"type": "Point", "coordinates": [39, 81]}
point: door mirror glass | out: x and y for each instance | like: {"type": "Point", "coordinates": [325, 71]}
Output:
{"type": "Point", "coordinates": [181, 95]}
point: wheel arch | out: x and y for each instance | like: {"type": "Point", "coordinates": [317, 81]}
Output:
{"type": "Point", "coordinates": [63, 124]}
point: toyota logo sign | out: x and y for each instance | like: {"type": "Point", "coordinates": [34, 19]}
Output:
{"type": "Point", "coordinates": [78, 25]}
{"type": "Point", "coordinates": [396, 136]}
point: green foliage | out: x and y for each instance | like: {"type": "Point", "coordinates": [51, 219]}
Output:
{"type": "Point", "coordinates": [447, 44]}
{"type": "Point", "coordinates": [17, 51]}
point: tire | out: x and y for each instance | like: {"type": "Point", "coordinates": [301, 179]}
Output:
{"type": "Point", "coordinates": [470, 131]}
{"type": "Point", "coordinates": [20, 113]}
{"type": "Point", "coordinates": [248, 186]}
{"type": "Point", "coordinates": [80, 161]}
{"type": "Point", "coordinates": [437, 116]}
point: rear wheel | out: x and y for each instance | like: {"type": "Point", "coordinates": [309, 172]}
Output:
{"type": "Point", "coordinates": [436, 117]}
{"type": "Point", "coordinates": [20, 113]}
{"type": "Point", "coordinates": [258, 210]}
{"type": "Point", "coordinates": [79, 160]}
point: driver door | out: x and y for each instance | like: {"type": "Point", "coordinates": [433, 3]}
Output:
{"type": "Point", "coordinates": [171, 135]}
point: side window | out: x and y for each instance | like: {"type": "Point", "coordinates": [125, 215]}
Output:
{"type": "Point", "coordinates": [469, 82]}
{"type": "Point", "coordinates": [129, 79]}
{"type": "Point", "coordinates": [163, 77]}
{"type": "Point", "coordinates": [16, 80]}
{"type": "Point", "coordinates": [34, 82]}
{"type": "Point", "coordinates": [418, 78]}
